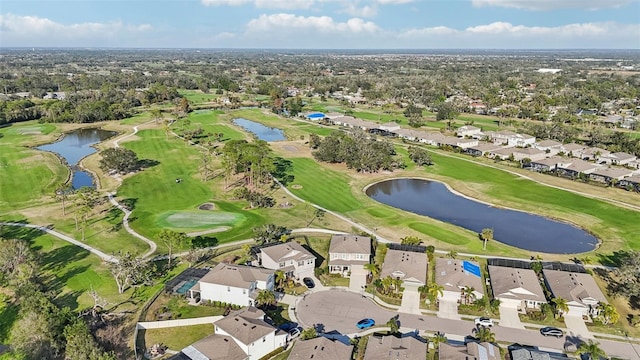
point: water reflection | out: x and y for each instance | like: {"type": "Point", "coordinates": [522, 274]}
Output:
{"type": "Point", "coordinates": [516, 228]}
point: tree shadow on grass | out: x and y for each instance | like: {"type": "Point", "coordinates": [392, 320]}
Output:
{"type": "Point", "coordinates": [129, 203]}
{"type": "Point", "coordinates": [612, 259]}
{"type": "Point", "coordinates": [19, 232]}
{"type": "Point", "coordinates": [57, 259]}
{"type": "Point", "coordinates": [200, 242]}
{"type": "Point", "coordinates": [148, 163]}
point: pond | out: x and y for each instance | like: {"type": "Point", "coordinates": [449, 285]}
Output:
{"type": "Point", "coordinates": [260, 131]}
{"type": "Point", "coordinates": [516, 228]}
{"type": "Point", "coordinates": [74, 146]}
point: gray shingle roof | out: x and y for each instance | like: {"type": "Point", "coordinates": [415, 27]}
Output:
{"type": "Point", "coordinates": [240, 276]}
{"type": "Point", "coordinates": [406, 265]}
{"type": "Point", "coordinates": [320, 348]}
{"type": "Point", "coordinates": [288, 251]}
{"type": "Point", "coordinates": [350, 244]}
{"type": "Point", "coordinates": [245, 325]}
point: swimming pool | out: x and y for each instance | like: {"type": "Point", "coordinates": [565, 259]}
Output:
{"type": "Point", "coordinates": [186, 286]}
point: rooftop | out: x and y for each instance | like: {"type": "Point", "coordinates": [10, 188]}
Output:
{"type": "Point", "coordinates": [245, 325]}
{"type": "Point", "coordinates": [513, 283]}
{"type": "Point", "coordinates": [406, 265]}
{"type": "Point", "coordinates": [240, 276]}
{"type": "Point", "coordinates": [320, 348]}
{"type": "Point", "coordinates": [574, 287]}
{"type": "Point", "coordinates": [351, 244]}
{"type": "Point", "coordinates": [287, 251]}
{"type": "Point", "coordinates": [214, 347]}
{"type": "Point", "coordinates": [451, 275]}
{"type": "Point", "coordinates": [393, 348]}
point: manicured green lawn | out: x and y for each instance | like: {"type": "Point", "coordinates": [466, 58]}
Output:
{"type": "Point", "coordinates": [26, 174]}
{"type": "Point", "coordinates": [176, 338]}
{"type": "Point", "coordinates": [322, 186]}
{"type": "Point", "coordinates": [196, 96]}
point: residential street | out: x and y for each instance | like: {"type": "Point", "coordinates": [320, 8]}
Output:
{"type": "Point", "coordinates": [340, 310]}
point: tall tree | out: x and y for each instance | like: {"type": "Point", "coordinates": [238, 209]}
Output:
{"type": "Point", "coordinates": [592, 349]}
{"type": "Point", "coordinates": [172, 239]}
{"type": "Point", "coordinates": [120, 160]}
{"type": "Point", "coordinates": [607, 313]}
{"type": "Point", "coordinates": [484, 334]}
{"type": "Point", "coordinates": [468, 293]}
{"type": "Point", "coordinates": [393, 324]}
{"type": "Point", "coordinates": [486, 235]}
{"type": "Point", "coordinates": [410, 240]}
{"type": "Point", "coordinates": [373, 268]}
{"type": "Point", "coordinates": [129, 270]}
{"type": "Point", "coordinates": [265, 298]}
{"type": "Point", "coordinates": [560, 305]}
{"type": "Point", "coordinates": [434, 290]}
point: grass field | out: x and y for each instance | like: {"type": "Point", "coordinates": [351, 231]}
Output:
{"type": "Point", "coordinates": [198, 219]}
{"type": "Point", "coordinates": [176, 338]}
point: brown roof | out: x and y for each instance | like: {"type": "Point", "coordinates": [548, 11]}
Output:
{"type": "Point", "coordinates": [287, 251]}
{"type": "Point", "coordinates": [350, 244]}
{"type": "Point", "coordinates": [528, 151]}
{"type": "Point", "coordinates": [512, 283]}
{"type": "Point", "coordinates": [245, 325]}
{"type": "Point", "coordinates": [240, 276]}
{"type": "Point", "coordinates": [406, 265]}
{"type": "Point", "coordinates": [579, 165]}
{"type": "Point", "coordinates": [449, 273]}
{"type": "Point", "coordinates": [613, 172]}
{"type": "Point", "coordinates": [391, 347]}
{"type": "Point", "coordinates": [472, 350]}
{"type": "Point", "coordinates": [320, 348]}
{"type": "Point", "coordinates": [215, 347]}
{"type": "Point", "coordinates": [484, 147]}
{"type": "Point", "coordinates": [553, 161]}
{"type": "Point", "coordinates": [573, 287]}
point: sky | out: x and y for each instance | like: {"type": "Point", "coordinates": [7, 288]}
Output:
{"type": "Point", "coordinates": [322, 24]}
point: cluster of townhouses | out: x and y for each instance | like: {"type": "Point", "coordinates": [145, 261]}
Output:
{"type": "Point", "coordinates": [244, 334]}
{"type": "Point", "coordinates": [570, 160]}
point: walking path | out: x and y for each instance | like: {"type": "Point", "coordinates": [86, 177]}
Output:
{"type": "Point", "coordinates": [125, 222]}
{"type": "Point", "coordinates": [64, 237]}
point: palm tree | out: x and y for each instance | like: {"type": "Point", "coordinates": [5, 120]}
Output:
{"type": "Point", "coordinates": [560, 305]}
{"type": "Point", "coordinates": [373, 268]}
{"type": "Point", "coordinates": [438, 339]}
{"type": "Point", "coordinates": [386, 284]}
{"type": "Point", "coordinates": [452, 254]}
{"type": "Point", "coordinates": [608, 313]}
{"type": "Point", "coordinates": [484, 334]}
{"type": "Point", "coordinates": [265, 298]}
{"type": "Point", "coordinates": [397, 283]}
{"type": "Point", "coordinates": [468, 292]}
{"type": "Point", "coordinates": [279, 278]}
{"type": "Point", "coordinates": [393, 325]}
{"type": "Point", "coordinates": [486, 235]}
{"type": "Point", "coordinates": [592, 349]}
{"type": "Point", "coordinates": [434, 290]}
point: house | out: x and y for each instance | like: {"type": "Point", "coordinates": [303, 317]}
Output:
{"type": "Point", "coordinates": [550, 147]}
{"type": "Point", "coordinates": [528, 353]}
{"type": "Point", "coordinates": [469, 351]}
{"type": "Point", "coordinates": [468, 130]}
{"type": "Point", "coordinates": [233, 284]}
{"type": "Point", "coordinates": [593, 153]}
{"type": "Point", "coordinates": [618, 158]}
{"type": "Point", "coordinates": [251, 333]}
{"type": "Point", "coordinates": [394, 347]}
{"type": "Point", "coordinates": [516, 288]}
{"type": "Point", "coordinates": [580, 290]}
{"type": "Point", "coordinates": [408, 134]}
{"type": "Point", "coordinates": [456, 275]}
{"type": "Point", "coordinates": [290, 258]}
{"type": "Point", "coordinates": [500, 137]}
{"type": "Point", "coordinates": [409, 266]}
{"type": "Point", "coordinates": [521, 140]}
{"type": "Point", "coordinates": [572, 149]}
{"type": "Point", "coordinates": [577, 167]}
{"type": "Point", "coordinates": [390, 127]}
{"type": "Point", "coordinates": [550, 164]}
{"type": "Point", "coordinates": [482, 149]}
{"type": "Point", "coordinates": [431, 138]}
{"type": "Point", "coordinates": [520, 154]}
{"type": "Point", "coordinates": [631, 183]}
{"type": "Point", "coordinates": [347, 252]}
{"type": "Point", "coordinates": [320, 348]}
{"type": "Point", "coordinates": [609, 174]}
{"type": "Point", "coordinates": [459, 143]}
{"type": "Point", "coordinates": [501, 153]}
{"type": "Point", "coordinates": [214, 347]}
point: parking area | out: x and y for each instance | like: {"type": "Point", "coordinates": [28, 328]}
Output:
{"type": "Point", "coordinates": [576, 326]}
{"type": "Point", "coordinates": [448, 309]}
{"type": "Point", "coordinates": [358, 279]}
{"type": "Point", "coordinates": [410, 300]}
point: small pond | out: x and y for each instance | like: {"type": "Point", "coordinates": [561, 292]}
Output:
{"type": "Point", "coordinates": [260, 131]}
{"type": "Point", "coordinates": [74, 146]}
{"type": "Point", "coordinates": [515, 228]}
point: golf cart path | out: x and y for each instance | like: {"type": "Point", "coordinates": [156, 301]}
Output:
{"type": "Point", "coordinates": [66, 238]}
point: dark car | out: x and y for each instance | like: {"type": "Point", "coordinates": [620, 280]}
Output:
{"type": "Point", "coordinates": [365, 323]}
{"type": "Point", "coordinates": [551, 331]}
{"type": "Point", "coordinates": [308, 282]}
{"type": "Point", "coordinates": [287, 326]}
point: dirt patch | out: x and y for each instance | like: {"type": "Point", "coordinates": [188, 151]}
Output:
{"type": "Point", "coordinates": [207, 206]}
{"type": "Point", "coordinates": [291, 148]}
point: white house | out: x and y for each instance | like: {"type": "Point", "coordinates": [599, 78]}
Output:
{"type": "Point", "coordinates": [290, 258]}
{"type": "Point", "coordinates": [251, 333]}
{"type": "Point", "coordinates": [468, 130]}
{"type": "Point", "coordinates": [347, 252]}
{"type": "Point", "coordinates": [528, 153]}
{"type": "Point", "coordinates": [618, 158]}
{"type": "Point", "coordinates": [516, 288]}
{"type": "Point", "coordinates": [579, 290]}
{"type": "Point", "coordinates": [521, 140]}
{"type": "Point", "coordinates": [454, 276]}
{"type": "Point", "coordinates": [233, 284]}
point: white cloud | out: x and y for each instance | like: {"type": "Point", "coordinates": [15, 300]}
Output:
{"type": "Point", "coordinates": [36, 31]}
{"type": "Point", "coordinates": [552, 4]}
{"type": "Point", "coordinates": [393, 2]}
{"type": "Point", "coordinates": [436, 30]}
{"type": "Point", "coordinates": [323, 24]}
{"type": "Point", "coordinates": [364, 11]}
{"type": "Point", "coordinates": [266, 4]}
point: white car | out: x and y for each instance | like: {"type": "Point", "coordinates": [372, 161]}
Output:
{"type": "Point", "coordinates": [483, 321]}
{"type": "Point", "coordinates": [295, 332]}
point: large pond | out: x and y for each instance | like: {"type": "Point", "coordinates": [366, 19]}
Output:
{"type": "Point", "coordinates": [74, 146]}
{"type": "Point", "coordinates": [516, 228]}
{"type": "Point", "coordinates": [260, 131]}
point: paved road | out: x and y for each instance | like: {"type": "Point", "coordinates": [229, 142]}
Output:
{"type": "Point", "coordinates": [340, 310]}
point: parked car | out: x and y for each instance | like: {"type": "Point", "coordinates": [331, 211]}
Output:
{"type": "Point", "coordinates": [365, 323]}
{"type": "Point", "coordinates": [483, 321]}
{"type": "Point", "coordinates": [551, 331]}
{"type": "Point", "coordinates": [295, 332]}
{"type": "Point", "coordinates": [288, 326]}
{"type": "Point", "coordinates": [308, 282]}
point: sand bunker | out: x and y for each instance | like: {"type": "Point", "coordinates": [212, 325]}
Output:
{"type": "Point", "coordinates": [207, 206]}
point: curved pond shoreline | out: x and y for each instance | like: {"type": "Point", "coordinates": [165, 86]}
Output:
{"type": "Point", "coordinates": [513, 227]}
{"type": "Point", "coordinates": [72, 147]}
{"type": "Point", "coordinates": [261, 131]}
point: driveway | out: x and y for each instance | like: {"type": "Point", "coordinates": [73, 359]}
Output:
{"type": "Point", "coordinates": [509, 317]}
{"type": "Point", "coordinates": [341, 309]}
{"type": "Point", "coordinates": [448, 309]}
{"type": "Point", "coordinates": [576, 326]}
{"type": "Point", "coordinates": [410, 300]}
{"type": "Point", "coordinates": [358, 279]}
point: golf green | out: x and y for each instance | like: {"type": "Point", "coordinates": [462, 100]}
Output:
{"type": "Point", "coordinates": [198, 219]}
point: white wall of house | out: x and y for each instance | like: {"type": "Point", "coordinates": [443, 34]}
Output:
{"type": "Point", "coordinates": [260, 347]}
{"type": "Point", "coordinates": [228, 294]}
{"type": "Point", "coordinates": [520, 141]}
